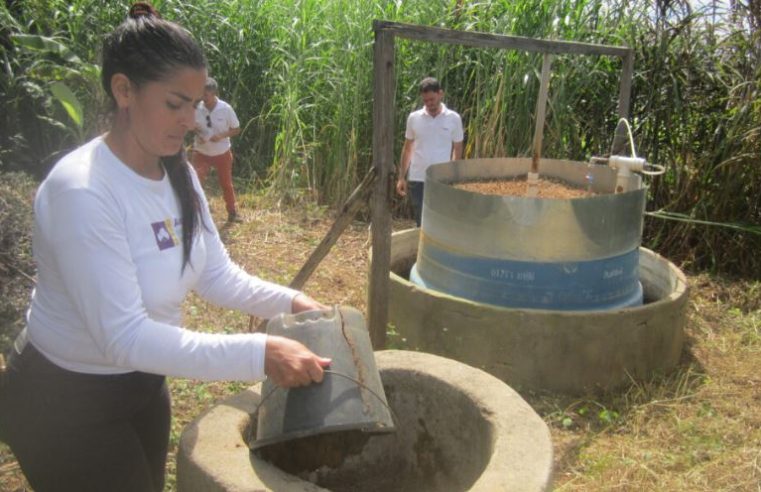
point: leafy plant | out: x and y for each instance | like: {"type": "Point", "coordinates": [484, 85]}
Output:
{"type": "Point", "coordinates": [43, 86]}
{"type": "Point", "coordinates": [299, 74]}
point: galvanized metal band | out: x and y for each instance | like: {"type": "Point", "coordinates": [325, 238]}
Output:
{"type": "Point", "coordinates": [528, 229]}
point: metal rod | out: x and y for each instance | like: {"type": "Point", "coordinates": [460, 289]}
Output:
{"type": "Point", "coordinates": [625, 87]}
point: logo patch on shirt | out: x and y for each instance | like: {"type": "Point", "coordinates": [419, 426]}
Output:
{"type": "Point", "coordinates": [164, 232]}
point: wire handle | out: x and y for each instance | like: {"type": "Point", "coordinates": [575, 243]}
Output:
{"type": "Point", "coordinates": [363, 385]}
{"type": "Point", "coordinates": [658, 169]}
{"type": "Point", "coordinates": [336, 373]}
{"type": "Point", "coordinates": [631, 137]}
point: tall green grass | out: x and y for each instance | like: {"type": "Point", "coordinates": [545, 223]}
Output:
{"type": "Point", "coordinates": [697, 110]}
{"type": "Point", "coordinates": [299, 74]}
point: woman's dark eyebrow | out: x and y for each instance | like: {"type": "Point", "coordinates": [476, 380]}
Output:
{"type": "Point", "coordinates": [181, 96]}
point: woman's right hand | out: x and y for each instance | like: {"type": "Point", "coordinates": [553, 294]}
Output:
{"type": "Point", "coordinates": [289, 363]}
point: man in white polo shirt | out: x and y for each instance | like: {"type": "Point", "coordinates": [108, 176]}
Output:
{"type": "Point", "coordinates": [434, 134]}
{"type": "Point", "coordinates": [216, 122]}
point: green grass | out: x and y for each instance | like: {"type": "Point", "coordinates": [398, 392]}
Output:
{"type": "Point", "coordinates": [697, 428]}
{"type": "Point", "coordinates": [299, 74]}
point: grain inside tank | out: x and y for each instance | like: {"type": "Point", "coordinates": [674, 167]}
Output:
{"type": "Point", "coordinates": [546, 188]}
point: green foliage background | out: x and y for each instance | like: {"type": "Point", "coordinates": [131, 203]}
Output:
{"type": "Point", "coordinates": [299, 74]}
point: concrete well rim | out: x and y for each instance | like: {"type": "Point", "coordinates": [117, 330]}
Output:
{"type": "Point", "coordinates": [570, 352]}
{"type": "Point", "coordinates": [679, 293]}
{"type": "Point", "coordinates": [213, 454]}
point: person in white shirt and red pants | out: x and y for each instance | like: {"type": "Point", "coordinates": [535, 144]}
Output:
{"type": "Point", "coordinates": [434, 134]}
{"type": "Point", "coordinates": [216, 122]}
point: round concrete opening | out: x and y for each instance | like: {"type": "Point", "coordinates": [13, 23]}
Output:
{"type": "Point", "coordinates": [458, 429]}
{"type": "Point", "coordinates": [566, 351]}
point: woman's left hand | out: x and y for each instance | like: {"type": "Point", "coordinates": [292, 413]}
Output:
{"type": "Point", "coordinates": [303, 302]}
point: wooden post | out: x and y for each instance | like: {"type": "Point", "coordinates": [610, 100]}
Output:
{"type": "Point", "coordinates": [383, 162]}
{"type": "Point", "coordinates": [486, 40]}
{"type": "Point", "coordinates": [541, 109]}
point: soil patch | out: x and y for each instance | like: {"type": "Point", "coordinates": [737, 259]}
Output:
{"type": "Point", "coordinates": [546, 188]}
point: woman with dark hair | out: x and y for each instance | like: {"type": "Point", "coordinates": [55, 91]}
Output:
{"type": "Point", "coordinates": [122, 233]}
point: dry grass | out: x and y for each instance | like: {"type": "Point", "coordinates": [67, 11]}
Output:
{"type": "Point", "coordinates": [696, 429]}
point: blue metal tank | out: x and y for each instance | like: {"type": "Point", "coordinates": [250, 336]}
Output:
{"type": "Point", "coordinates": [528, 252]}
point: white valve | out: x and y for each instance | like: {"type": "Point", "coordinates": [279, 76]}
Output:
{"type": "Point", "coordinates": [625, 165]}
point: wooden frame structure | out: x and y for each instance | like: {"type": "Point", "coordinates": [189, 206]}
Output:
{"type": "Point", "coordinates": [383, 129]}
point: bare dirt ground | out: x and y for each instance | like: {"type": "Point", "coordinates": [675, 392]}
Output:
{"type": "Point", "coordinates": [696, 429]}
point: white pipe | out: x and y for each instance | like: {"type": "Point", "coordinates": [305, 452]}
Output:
{"type": "Point", "coordinates": [625, 165]}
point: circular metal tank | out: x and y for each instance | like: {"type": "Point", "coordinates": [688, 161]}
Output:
{"type": "Point", "coordinates": [529, 252]}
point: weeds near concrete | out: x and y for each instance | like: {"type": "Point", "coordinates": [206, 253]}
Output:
{"type": "Point", "coordinates": [695, 429]}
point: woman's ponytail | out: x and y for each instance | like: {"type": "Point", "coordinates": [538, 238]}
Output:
{"type": "Point", "coordinates": [178, 170]}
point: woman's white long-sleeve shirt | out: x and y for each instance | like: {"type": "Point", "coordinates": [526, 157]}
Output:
{"type": "Point", "coordinates": [108, 248]}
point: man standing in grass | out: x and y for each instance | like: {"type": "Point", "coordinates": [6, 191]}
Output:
{"type": "Point", "coordinates": [434, 134]}
{"type": "Point", "coordinates": [216, 122]}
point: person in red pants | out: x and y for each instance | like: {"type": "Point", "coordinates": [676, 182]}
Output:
{"type": "Point", "coordinates": [216, 122]}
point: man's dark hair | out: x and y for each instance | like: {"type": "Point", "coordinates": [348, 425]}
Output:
{"type": "Point", "coordinates": [429, 84]}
